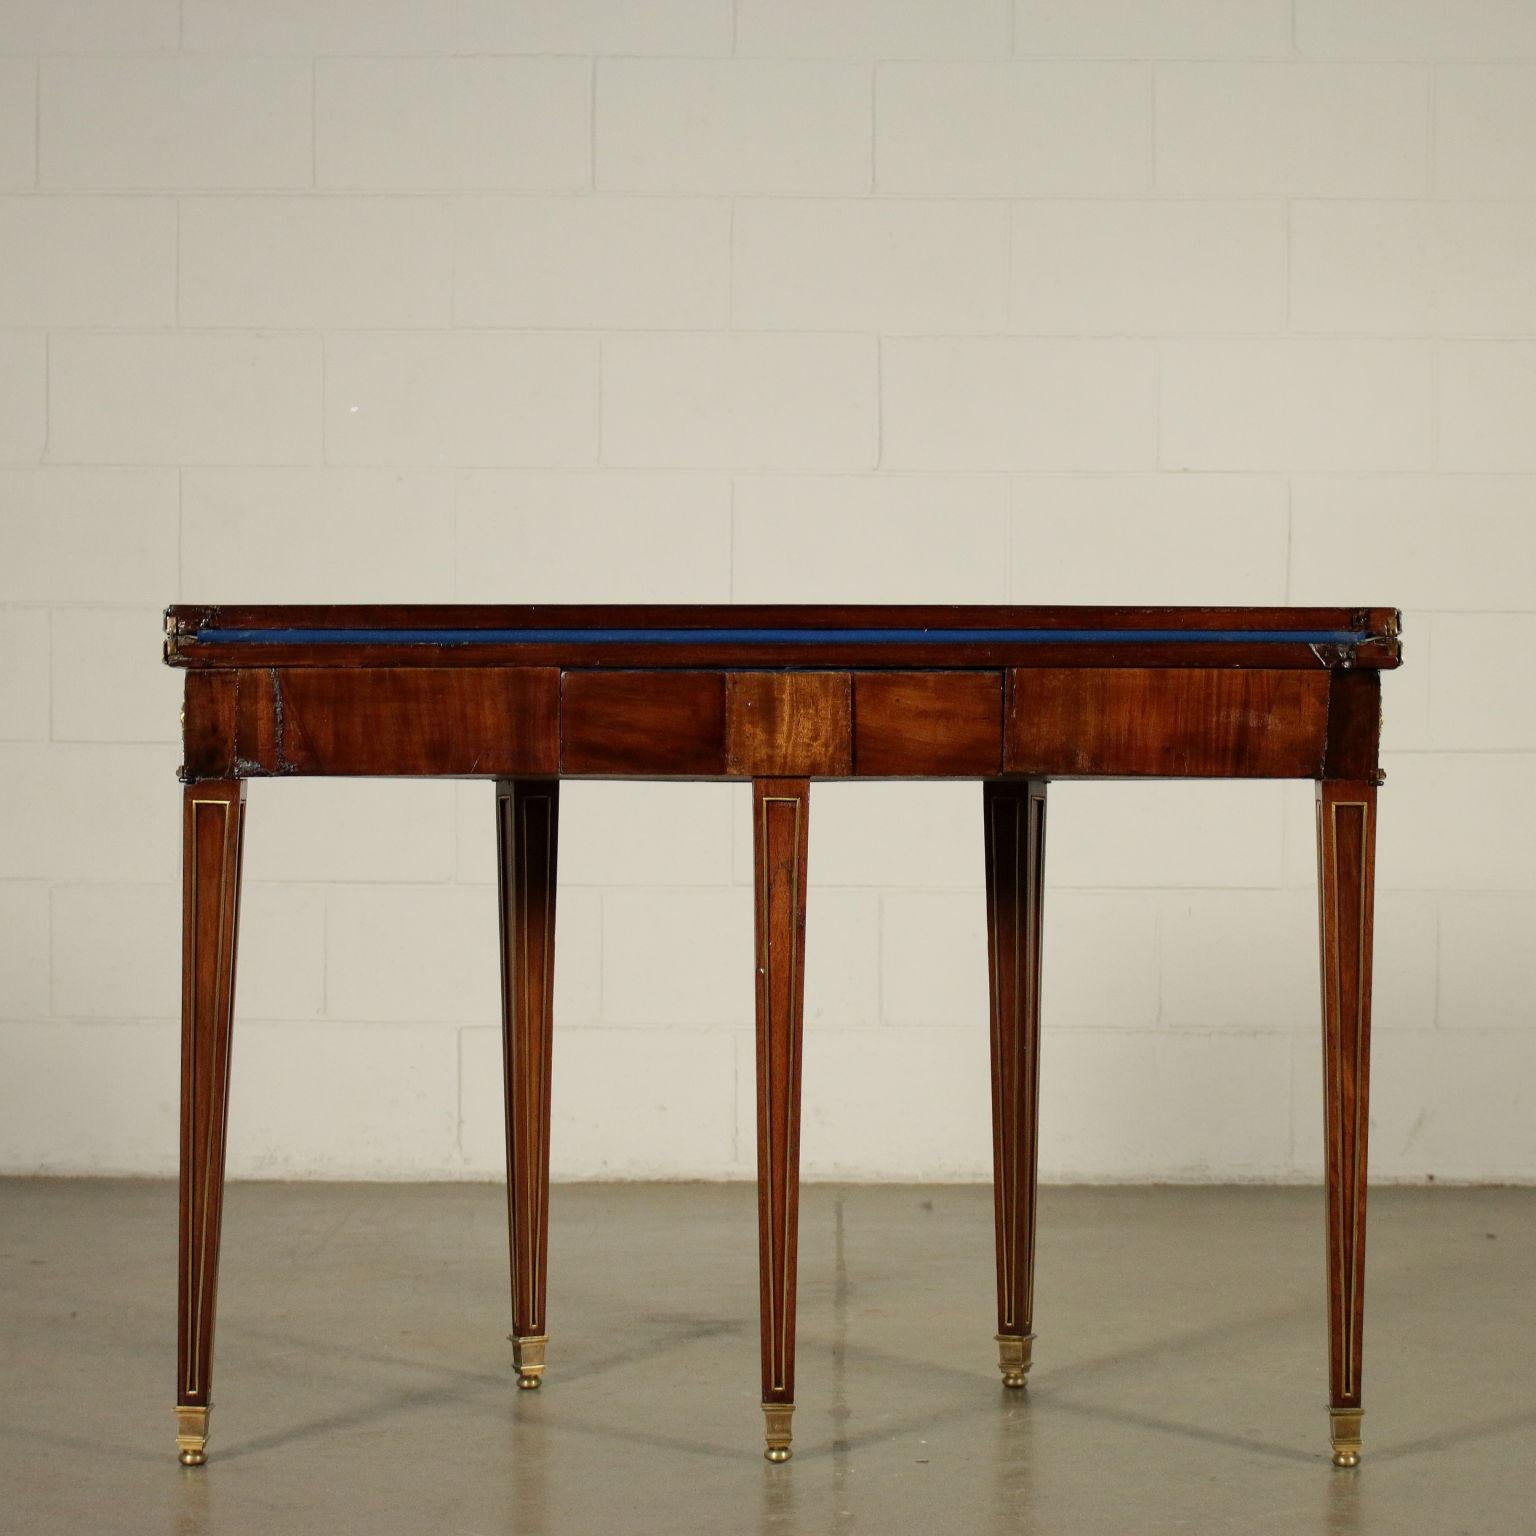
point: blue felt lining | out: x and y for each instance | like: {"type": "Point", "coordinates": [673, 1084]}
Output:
{"type": "Point", "coordinates": [216, 636]}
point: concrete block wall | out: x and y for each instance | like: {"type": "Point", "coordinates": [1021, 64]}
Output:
{"type": "Point", "coordinates": [1162, 301]}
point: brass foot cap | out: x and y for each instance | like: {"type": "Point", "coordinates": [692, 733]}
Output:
{"type": "Point", "coordinates": [777, 1421]}
{"type": "Point", "coordinates": [1014, 1358]}
{"type": "Point", "coordinates": [1344, 1432]}
{"type": "Point", "coordinates": [528, 1359]}
{"type": "Point", "coordinates": [192, 1434]}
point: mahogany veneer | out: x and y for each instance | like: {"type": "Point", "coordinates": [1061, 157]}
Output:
{"type": "Point", "coordinates": [1013, 697]}
{"type": "Point", "coordinates": [927, 725]}
{"type": "Point", "coordinates": [1167, 722]}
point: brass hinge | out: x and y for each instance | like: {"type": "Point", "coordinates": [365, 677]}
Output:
{"type": "Point", "coordinates": [1331, 656]}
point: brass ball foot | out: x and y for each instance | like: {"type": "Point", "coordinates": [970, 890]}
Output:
{"type": "Point", "coordinates": [1346, 1458]}
{"type": "Point", "coordinates": [192, 1458]}
{"type": "Point", "coordinates": [1014, 1380]}
{"type": "Point", "coordinates": [777, 1454]}
{"type": "Point", "coordinates": [527, 1382]}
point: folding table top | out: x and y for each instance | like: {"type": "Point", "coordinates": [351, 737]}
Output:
{"type": "Point", "coordinates": [792, 636]}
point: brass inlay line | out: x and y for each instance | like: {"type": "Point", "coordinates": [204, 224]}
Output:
{"type": "Point", "coordinates": [1354, 1197]}
{"type": "Point", "coordinates": [1338, 1091]}
{"type": "Point", "coordinates": [998, 1095]}
{"type": "Point", "coordinates": [189, 1084]}
{"type": "Point", "coordinates": [525, 1095]}
{"type": "Point", "coordinates": [1011, 1193]}
{"type": "Point", "coordinates": [1036, 918]}
{"type": "Point", "coordinates": [536, 1109]}
{"type": "Point", "coordinates": [778, 1322]}
{"type": "Point", "coordinates": [504, 832]}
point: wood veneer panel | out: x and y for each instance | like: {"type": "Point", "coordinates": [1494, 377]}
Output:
{"type": "Point", "coordinates": [788, 724]}
{"type": "Point", "coordinates": [928, 724]}
{"type": "Point", "coordinates": [661, 724]}
{"type": "Point", "coordinates": [208, 725]}
{"type": "Point", "coordinates": [1354, 725]}
{"type": "Point", "coordinates": [398, 721]}
{"type": "Point", "coordinates": [1205, 723]}
{"type": "Point", "coordinates": [258, 738]}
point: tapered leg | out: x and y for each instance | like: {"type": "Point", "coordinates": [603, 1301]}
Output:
{"type": "Point", "coordinates": [527, 824]}
{"type": "Point", "coordinates": [1346, 843]}
{"type": "Point", "coordinates": [780, 813]}
{"type": "Point", "coordinates": [1014, 814]}
{"type": "Point", "coordinates": [213, 823]}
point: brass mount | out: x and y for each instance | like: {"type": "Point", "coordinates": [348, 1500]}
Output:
{"type": "Point", "coordinates": [528, 1359]}
{"type": "Point", "coordinates": [1014, 1357]}
{"type": "Point", "coordinates": [192, 1435]}
{"type": "Point", "coordinates": [1344, 1432]}
{"type": "Point", "coordinates": [777, 1418]}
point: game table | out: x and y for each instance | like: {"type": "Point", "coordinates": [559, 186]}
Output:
{"type": "Point", "coordinates": [1011, 697]}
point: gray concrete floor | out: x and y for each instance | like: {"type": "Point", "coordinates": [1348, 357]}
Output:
{"type": "Point", "coordinates": [363, 1381]}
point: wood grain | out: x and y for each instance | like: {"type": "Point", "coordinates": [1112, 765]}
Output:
{"type": "Point", "coordinates": [208, 726]}
{"type": "Point", "coordinates": [927, 724]}
{"type": "Point", "coordinates": [401, 720]}
{"type": "Point", "coordinates": [788, 724]}
{"type": "Point", "coordinates": [1354, 726]}
{"type": "Point", "coordinates": [651, 724]}
{"type": "Point", "coordinates": [1164, 723]}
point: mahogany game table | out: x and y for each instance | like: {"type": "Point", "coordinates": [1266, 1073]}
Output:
{"type": "Point", "coordinates": [1011, 697]}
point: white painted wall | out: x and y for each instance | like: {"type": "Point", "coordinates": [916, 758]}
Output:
{"type": "Point", "coordinates": [1171, 301]}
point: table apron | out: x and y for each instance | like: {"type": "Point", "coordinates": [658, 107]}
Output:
{"type": "Point", "coordinates": [743, 723]}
